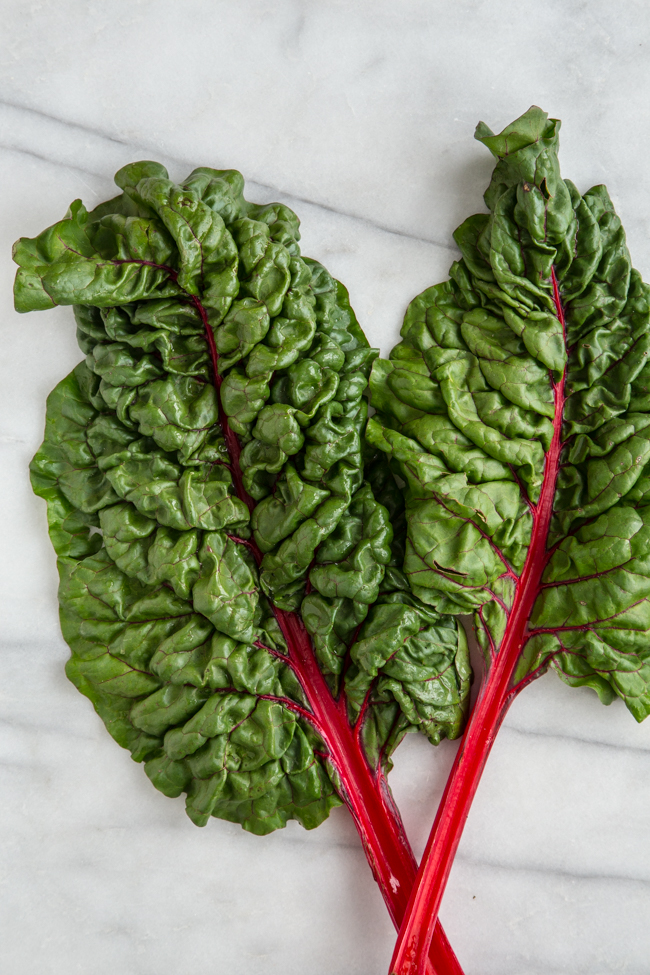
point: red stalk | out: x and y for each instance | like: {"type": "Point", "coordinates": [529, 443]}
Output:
{"type": "Point", "coordinates": [364, 789]}
{"type": "Point", "coordinates": [495, 696]}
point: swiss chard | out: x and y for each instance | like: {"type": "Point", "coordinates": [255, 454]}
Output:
{"type": "Point", "coordinates": [517, 411]}
{"type": "Point", "coordinates": [231, 584]}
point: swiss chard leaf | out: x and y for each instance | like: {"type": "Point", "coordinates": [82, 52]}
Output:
{"type": "Point", "coordinates": [209, 499]}
{"type": "Point", "coordinates": [516, 410]}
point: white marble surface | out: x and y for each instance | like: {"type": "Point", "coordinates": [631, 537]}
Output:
{"type": "Point", "coordinates": [360, 115]}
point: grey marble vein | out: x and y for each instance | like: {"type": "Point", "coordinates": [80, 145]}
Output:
{"type": "Point", "coordinates": [578, 740]}
{"type": "Point", "coordinates": [68, 123]}
{"type": "Point", "coordinates": [138, 147]}
{"type": "Point", "coordinates": [47, 159]}
{"type": "Point", "coordinates": [526, 868]}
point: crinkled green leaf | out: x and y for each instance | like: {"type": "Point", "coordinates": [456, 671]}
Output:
{"type": "Point", "coordinates": [190, 506]}
{"type": "Point", "coordinates": [413, 670]}
{"type": "Point", "coordinates": [103, 264]}
{"type": "Point", "coordinates": [492, 363]}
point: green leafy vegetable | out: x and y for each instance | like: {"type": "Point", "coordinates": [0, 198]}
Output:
{"type": "Point", "coordinates": [516, 409]}
{"type": "Point", "coordinates": [231, 584]}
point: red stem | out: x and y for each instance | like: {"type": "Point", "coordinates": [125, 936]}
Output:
{"type": "Point", "coordinates": [494, 698]}
{"type": "Point", "coordinates": [363, 789]}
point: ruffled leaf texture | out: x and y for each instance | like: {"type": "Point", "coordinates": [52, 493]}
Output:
{"type": "Point", "coordinates": [466, 406]}
{"type": "Point", "coordinates": [172, 625]}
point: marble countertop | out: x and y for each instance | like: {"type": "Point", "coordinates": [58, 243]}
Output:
{"type": "Point", "coordinates": [360, 116]}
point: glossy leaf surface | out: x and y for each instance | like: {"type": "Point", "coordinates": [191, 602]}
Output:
{"type": "Point", "coordinates": [192, 510]}
{"type": "Point", "coordinates": [516, 410]}
{"type": "Point", "coordinates": [528, 372]}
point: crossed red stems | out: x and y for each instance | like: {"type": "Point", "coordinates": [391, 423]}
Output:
{"type": "Point", "coordinates": [364, 789]}
{"type": "Point", "coordinates": [413, 901]}
{"type": "Point", "coordinates": [496, 695]}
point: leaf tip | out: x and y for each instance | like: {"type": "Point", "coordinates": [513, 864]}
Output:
{"type": "Point", "coordinates": [132, 173]}
{"type": "Point", "coordinates": [526, 130]}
